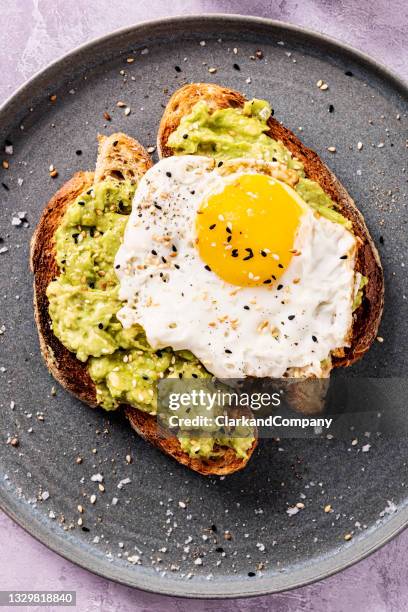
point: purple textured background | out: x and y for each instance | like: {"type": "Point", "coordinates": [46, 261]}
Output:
{"type": "Point", "coordinates": [35, 32]}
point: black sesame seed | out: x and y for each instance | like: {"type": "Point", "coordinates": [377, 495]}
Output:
{"type": "Point", "coordinates": [251, 574]}
{"type": "Point", "coordinates": [331, 108]}
{"type": "Point", "coordinates": [6, 187]}
{"type": "Point", "coordinates": [180, 375]}
{"type": "Point", "coordinates": [263, 254]}
{"type": "Point", "coordinates": [219, 549]}
{"type": "Point", "coordinates": [115, 143]}
{"type": "Point", "coordinates": [157, 206]}
{"type": "Point", "coordinates": [192, 192]}
{"type": "Point", "coordinates": [164, 260]}
{"type": "Point", "coordinates": [267, 281]}
{"type": "Point", "coordinates": [229, 238]}
{"type": "Point", "coordinates": [145, 377]}
{"type": "Point", "coordinates": [220, 163]}
{"type": "Point", "coordinates": [86, 529]}
{"type": "Point", "coordinates": [349, 73]}
{"type": "Point", "coordinates": [81, 203]}
{"type": "Point", "coordinates": [249, 256]}
{"type": "Point", "coordinates": [234, 252]}
{"type": "Point", "coordinates": [291, 317]}
{"type": "Point", "coordinates": [343, 257]}
{"type": "Point", "coordinates": [185, 136]}
{"type": "Point", "coordinates": [280, 266]}
{"type": "Point", "coordinates": [194, 375]}
{"type": "Point", "coordinates": [273, 276]}
{"type": "Point", "coordinates": [228, 351]}
{"type": "Point", "coordinates": [78, 152]}
{"type": "Point", "coordinates": [236, 67]}
{"type": "Point", "coordinates": [381, 239]}
{"type": "Point", "coordinates": [91, 285]}
{"type": "Point", "coordinates": [177, 266]}
{"type": "Point", "coordinates": [117, 266]}
{"type": "Point", "coordinates": [214, 528]}
{"type": "Point", "coordinates": [100, 325]}
{"type": "Point", "coordinates": [279, 287]}
{"type": "Point", "coordinates": [168, 174]}
{"type": "Point", "coordinates": [274, 159]}
{"type": "Point", "coordinates": [246, 307]}
{"type": "Point", "coordinates": [154, 252]}
{"type": "Point", "coordinates": [174, 248]}
{"type": "Point", "coordinates": [228, 230]}
{"type": "Point", "coordinates": [314, 338]}
{"type": "Point", "coordinates": [177, 68]}
{"type": "Point", "coordinates": [207, 268]}
{"type": "Point", "coordinates": [212, 226]}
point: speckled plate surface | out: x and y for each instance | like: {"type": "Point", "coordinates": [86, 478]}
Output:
{"type": "Point", "coordinates": [136, 531]}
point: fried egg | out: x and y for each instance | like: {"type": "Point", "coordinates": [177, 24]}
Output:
{"type": "Point", "coordinates": [228, 262]}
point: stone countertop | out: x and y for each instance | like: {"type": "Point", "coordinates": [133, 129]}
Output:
{"type": "Point", "coordinates": [36, 32]}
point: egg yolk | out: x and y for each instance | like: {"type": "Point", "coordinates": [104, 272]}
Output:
{"type": "Point", "coordinates": [246, 233]}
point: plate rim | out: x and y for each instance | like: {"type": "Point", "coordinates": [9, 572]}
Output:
{"type": "Point", "coordinates": [61, 545]}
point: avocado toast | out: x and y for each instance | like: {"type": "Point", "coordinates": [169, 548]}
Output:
{"type": "Point", "coordinates": [207, 119]}
{"type": "Point", "coordinates": [75, 301]}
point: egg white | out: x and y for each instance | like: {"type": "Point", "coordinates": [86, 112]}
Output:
{"type": "Point", "coordinates": [235, 332]}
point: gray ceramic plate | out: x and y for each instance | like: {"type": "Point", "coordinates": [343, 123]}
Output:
{"type": "Point", "coordinates": [41, 482]}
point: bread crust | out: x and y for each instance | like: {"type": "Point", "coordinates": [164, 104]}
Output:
{"type": "Point", "coordinates": [367, 317]}
{"type": "Point", "coordinates": [64, 366]}
{"type": "Point", "coordinates": [119, 156]}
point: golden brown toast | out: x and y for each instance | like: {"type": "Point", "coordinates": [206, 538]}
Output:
{"type": "Point", "coordinates": [119, 157]}
{"type": "Point", "coordinates": [367, 317]}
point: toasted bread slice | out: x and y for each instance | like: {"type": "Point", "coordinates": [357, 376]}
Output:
{"type": "Point", "coordinates": [119, 157]}
{"type": "Point", "coordinates": [367, 317]}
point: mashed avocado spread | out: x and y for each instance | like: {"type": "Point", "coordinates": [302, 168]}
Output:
{"type": "Point", "coordinates": [83, 302]}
